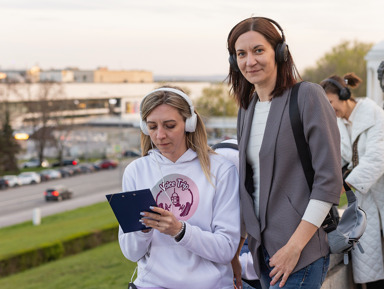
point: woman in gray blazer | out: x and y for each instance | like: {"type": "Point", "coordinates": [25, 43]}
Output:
{"type": "Point", "coordinates": [282, 215]}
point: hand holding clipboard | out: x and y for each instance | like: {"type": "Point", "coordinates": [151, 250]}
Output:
{"type": "Point", "coordinates": [127, 207]}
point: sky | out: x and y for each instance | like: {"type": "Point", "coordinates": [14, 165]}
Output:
{"type": "Point", "coordinates": [171, 37]}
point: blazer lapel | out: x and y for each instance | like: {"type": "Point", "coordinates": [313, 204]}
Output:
{"type": "Point", "coordinates": [251, 222]}
{"type": "Point", "coordinates": [267, 151]}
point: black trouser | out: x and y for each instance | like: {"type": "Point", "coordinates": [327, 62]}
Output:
{"type": "Point", "coordinates": [375, 285]}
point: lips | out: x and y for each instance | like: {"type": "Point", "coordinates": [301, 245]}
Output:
{"type": "Point", "coordinates": [253, 71]}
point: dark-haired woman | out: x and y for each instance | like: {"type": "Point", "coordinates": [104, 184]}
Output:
{"type": "Point", "coordinates": [282, 215]}
{"type": "Point", "coordinates": [361, 125]}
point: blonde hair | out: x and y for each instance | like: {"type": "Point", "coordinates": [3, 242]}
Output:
{"type": "Point", "coordinates": [197, 140]}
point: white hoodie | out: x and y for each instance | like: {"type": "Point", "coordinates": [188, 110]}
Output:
{"type": "Point", "coordinates": [211, 214]}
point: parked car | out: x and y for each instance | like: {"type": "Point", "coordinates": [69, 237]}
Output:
{"type": "Point", "coordinates": [66, 162]}
{"type": "Point", "coordinates": [57, 193]}
{"type": "Point", "coordinates": [27, 178]}
{"type": "Point", "coordinates": [86, 168]}
{"type": "Point", "coordinates": [35, 163]}
{"type": "Point", "coordinates": [3, 184]}
{"type": "Point", "coordinates": [131, 154]}
{"type": "Point", "coordinates": [51, 174]}
{"type": "Point", "coordinates": [107, 164]}
{"type": "Point", "coordinates": [13, 180]}
{"type": "Point", "coordinates": [75, 169]}
{"type": "Point", "coordinates": [65, 172]}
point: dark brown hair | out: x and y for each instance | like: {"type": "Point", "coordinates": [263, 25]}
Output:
{"type": "Point", "coordinates": [287, 73]}
{"type": "Point", "coordinates": [348, 80]}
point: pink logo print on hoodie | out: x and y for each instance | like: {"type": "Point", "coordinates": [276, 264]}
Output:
{"type": "Point", "coordinates": [183, 195]}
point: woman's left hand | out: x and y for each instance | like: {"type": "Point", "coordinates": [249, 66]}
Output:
{"type": "Point", "coordinates": [236, 267]}
{"type": "Point", "coordinates": [164, 221]}
{"type": "Point", "coordinates": [283, 263]}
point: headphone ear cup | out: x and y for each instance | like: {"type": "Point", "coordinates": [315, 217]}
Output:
{"type": "Point", "coordinates": [345, 93]}
{"type": "Point", "coordinates": [233, 62]}
{"type": "Point", "coordinates": [143, 127]}
{"type": "Point", "coordinates": [190, 123]}
{"type": "Point", "coordinates": [281, 52]}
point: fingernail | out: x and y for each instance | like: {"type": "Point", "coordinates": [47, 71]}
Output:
{"type": "Point", "coordinates": [142, 213]}
{"type": "Point", "coordinates": [151, 207]}
{"type": "Point", "coordinates": [141, 221]}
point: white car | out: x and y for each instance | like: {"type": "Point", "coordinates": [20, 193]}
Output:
{"type": "Point", "coordinates": [27, 178]}
{"type": "Point", "coordinates": [35, 163]}
{"type": "Point", "coordinates": [51, 174]}
{"type": "Point", "coordinates": [13, 180]}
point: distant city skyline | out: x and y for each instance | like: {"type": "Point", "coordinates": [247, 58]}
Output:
{"type": "Point", "coordinates": [171, 37]}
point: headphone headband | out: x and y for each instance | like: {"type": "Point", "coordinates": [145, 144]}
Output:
{"type": "Point", "coordinates": [190, 123]}
{"type": "Point", "coordinates": [344, 92]}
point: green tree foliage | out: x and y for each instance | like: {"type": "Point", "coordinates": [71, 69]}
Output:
{"type": "Point", "coordinates": [216, 101]}
{"type": "Point", "coordinates": [346, 57]}
{"type": "Point", "coordinates": [9, 148]}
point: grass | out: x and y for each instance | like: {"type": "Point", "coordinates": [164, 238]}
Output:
{"type": "Point", "coordinates": [104, 267]}
{"type": "Point", "coordinates": [343, 200]}
{"type": "Point", "coordinates": [56, 227]}
{"type": "Point", "coordinates": [100, 268]}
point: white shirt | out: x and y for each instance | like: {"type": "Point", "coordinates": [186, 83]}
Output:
{"type": "Point", "coordinates": [255, 139]}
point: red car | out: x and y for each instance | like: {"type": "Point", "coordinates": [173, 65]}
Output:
{"type": "Point", "coordinates": [107, 164]}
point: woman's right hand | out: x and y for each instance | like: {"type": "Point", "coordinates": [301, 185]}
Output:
{"type": "Point", "coordinates": [162, 220]}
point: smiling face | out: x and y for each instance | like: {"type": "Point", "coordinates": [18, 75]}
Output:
{"type": "Point", "coordinates": [166, 129]}
{"type": "Point", "coordinates": [256, 59]}
{"type": "Point", "coordinates": [343, 108]}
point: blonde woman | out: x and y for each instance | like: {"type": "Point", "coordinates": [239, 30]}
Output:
{"type": "Point", "coordinates": [191, 241]}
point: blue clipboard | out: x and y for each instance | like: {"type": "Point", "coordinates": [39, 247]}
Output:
{"type": "Point", "coordinates": [127, 207]}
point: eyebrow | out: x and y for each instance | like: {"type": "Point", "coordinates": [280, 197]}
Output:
{"type": "Point", "coordinates": [254, 47]}
{"type": "Point", "coordinates": [166, 121]}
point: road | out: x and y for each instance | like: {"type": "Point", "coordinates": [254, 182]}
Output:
{"type": "Point", "coordinates": [17, 204]}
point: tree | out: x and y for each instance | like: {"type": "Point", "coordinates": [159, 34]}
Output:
{"type": "Point", "coordinates": [47, 106]}
{"type": "Point", "coordinates": [343, 58]}
{"type": "Point", "coordinates": [9, 148]}
{"type": "Point", "coordinates": [216, 101]}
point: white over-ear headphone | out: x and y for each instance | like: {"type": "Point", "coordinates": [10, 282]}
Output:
{"type": "Point", "coordinates": [190, 123]}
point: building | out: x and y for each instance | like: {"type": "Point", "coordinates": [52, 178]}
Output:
{"type": "Point", "coordinates": [374, 57]}
{"type": "Point", "coordinates": [19, 76]}
{"type": "Point", "coordinates": [57, 76]}
{"type": "Point", "coordinates": [84, 76]}
{"type": "Point", "coordinates": [103, 75]}
{"type": "Point", "coordinates": [82, 102]}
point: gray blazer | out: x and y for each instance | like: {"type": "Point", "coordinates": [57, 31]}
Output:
{"type": "Point", "coordinates": [284, 192]}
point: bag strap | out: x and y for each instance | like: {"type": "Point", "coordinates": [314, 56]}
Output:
{"type": "Point", "coordinates": [332, 218]}
{"type": "Point", "coordinates": [225, 145]}
{"type": "Point", "coordinates": [298, 132]}
{"type": "Point", "coordinates": [355, 155]}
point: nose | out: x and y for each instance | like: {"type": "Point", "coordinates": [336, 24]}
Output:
{"type": "Point", "coordinates": [251, 60]}
{"type": "Point", "coordinates": [160, 134]}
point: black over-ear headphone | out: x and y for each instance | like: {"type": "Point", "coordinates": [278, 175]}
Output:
{"type": "Point", "coordinates": [344, 92]}
{"type": "Point", "coordinates": [281, 49]}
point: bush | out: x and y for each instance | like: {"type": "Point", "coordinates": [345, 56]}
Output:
{"type": "Point", "coordinates": [31, 258]}
{"type": "Point", "coordinates": [77, 243]}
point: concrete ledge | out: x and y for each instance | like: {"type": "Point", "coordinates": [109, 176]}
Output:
{"type": "Point", "coordinates": [339, 275]}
